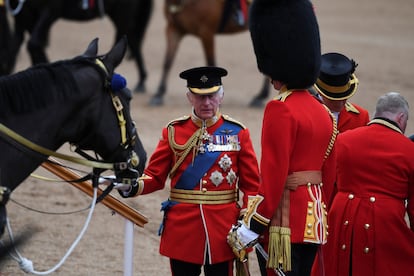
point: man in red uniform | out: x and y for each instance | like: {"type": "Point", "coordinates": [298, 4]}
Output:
{"type": "Point", "coordinates": [297, 138]}
{"type": "Point", "coordinates": [208, 157]}
{"type": "Point", "coordinates": [336, 84]}
{"type": "Point", "coordinates": [368, 234]}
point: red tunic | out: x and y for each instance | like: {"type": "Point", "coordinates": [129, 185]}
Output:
{"type": "Point", "coordinates": [296, 132]}
{"type": "Point", "coordinates": [192, 230]}
{"type": "Point", "coordinates": [352, 116]}
{"type": "Point", "coordinates": [375, 167]}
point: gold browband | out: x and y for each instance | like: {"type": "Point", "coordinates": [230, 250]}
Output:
{"type": "Point", "coordinates": [203, 197]}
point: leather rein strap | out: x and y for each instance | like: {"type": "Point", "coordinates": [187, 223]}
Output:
{"type": "Point", "coordinates": [91, 163]}
{"type": "Point", "coordinates": [25, 142]}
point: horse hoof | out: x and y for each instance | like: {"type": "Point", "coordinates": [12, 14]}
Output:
{"type": "Point", "coordinates": [140, 89]}
{"type": "Point", "coordinates": [156, 101]}
{"type": "Point", "coordinates": [256, 103]}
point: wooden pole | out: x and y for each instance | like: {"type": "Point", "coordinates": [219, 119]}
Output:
{"type": "Point", "coordinates": [86, 186]}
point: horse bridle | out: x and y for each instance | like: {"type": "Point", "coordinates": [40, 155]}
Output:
{"type": "Point", "coordinates": [126, 169]}
{"type": "Point", "coordinates": [128, 136]}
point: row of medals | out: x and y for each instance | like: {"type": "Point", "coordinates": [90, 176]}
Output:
{"type": "Point", "coordinates": [212, 143]}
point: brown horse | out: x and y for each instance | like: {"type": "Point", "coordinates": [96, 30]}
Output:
{"type": "Point", "coordinates": [203, 19]}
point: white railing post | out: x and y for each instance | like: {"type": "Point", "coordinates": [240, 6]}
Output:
{"type": "Point", "coordinates": [129, 248]}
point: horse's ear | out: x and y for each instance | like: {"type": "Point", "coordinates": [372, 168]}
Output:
{"type": "Point", "coordinates": [92, 49]}
{"type": "Point", "coordinates": [114, 57]}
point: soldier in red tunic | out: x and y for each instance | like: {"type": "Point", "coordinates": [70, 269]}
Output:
{"type": "Point", "coordinates": [368, 234]}
{"type": "Point", "coordinates": [337, 83]}
{"type": "Point", "coordinates": [208, 157]}
{"type": "Point", "coordinates": [297, 138]}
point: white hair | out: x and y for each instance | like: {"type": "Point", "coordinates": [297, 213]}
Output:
{"type": "Point", "coordinates": [390, 104]}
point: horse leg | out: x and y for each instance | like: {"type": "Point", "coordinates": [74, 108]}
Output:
{"type": "Point", "coordinates": [40, 32]}
{"type": "Point", "coordinates": [143, 14]}
{"type": "Point", "coordinates": [37, 53]}
{"type": "Point", "coordinates": [208, 47]}
{"type": "Point", "coordinates": [132, 18]}
{"type": "Point", "coordinates": [173, 39]}
{"type": "Point", "coordinates": [257, 101]}
{"type": "Point", "coordinates": [3, 218]}
{"type": "Point", "coordinates": [15, 43]}
{"type": "Point", "coordinates": [5, 36]}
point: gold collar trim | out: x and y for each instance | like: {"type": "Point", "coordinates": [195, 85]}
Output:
{"type": "Point", "coordinates": [385, 123]}
{"type": "Point", "coordinates": [207, 123]}
{"type": "Point", "coordinates": [351, 108]}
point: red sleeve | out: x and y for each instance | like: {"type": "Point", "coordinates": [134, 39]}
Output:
{"type": "Point", "coordinates": [248, 167]}
{"type": "Point", "coordinates": [159, 165]}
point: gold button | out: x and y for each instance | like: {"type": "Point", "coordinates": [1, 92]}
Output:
{"type": "Point", "coordinates": [310, 204]}
{"type": "Point", "coordinates": [324, 206]}
{"type": "Point", "coordinates": [204, 182]}
{"type": "Point", "coordinates": [366, 250]}
{"type": "Point", "coordinates": [309, 225]}
{"type": "Point", "coordinates": [308, 232]}
{"type": "Point", "coordinates": [310, 213]}
{"type": "Point", "coordinates": [372, 199]}
{"type": "Point", "coordinates": [366, 226]}
{"type": "Point", "coordinates": [351, 196]}
{"type": "Point", "coordinates": [321, 184]}
{"type": "Point", "coordinates": [204, 190]}
{"type": "Point", "coordinates": [309, 184]}
{"type": "Point", "coordinates": [346, 222]}
{"type": "Point", "coordinates": [343, 247]}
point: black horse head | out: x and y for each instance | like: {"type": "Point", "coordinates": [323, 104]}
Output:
{"type": "Point", "coordinates": [71, 101]}
{"type": "Point", "coordinates": [127, 152]}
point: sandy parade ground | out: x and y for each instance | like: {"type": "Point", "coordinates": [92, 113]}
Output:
{"type": "Point", "coordinates": [378, 35]}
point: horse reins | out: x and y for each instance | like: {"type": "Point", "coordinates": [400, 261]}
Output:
{"type": "Point", "coordinates": [127, 136]}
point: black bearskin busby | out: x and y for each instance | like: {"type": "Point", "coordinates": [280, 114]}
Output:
{"type": "Point", "coordinates": [286, 42]}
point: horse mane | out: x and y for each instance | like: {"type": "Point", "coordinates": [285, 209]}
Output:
{"type": "Point", "coordinates": [36, 88]}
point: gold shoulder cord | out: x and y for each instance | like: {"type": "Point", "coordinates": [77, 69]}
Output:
{"type": "Point", "coordinates": [182, 150]}
{"type": "Point", "coordinates": [334, 133]}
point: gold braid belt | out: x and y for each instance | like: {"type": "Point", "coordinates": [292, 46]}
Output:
{"type": "Point", "coordinates": [203, 197]}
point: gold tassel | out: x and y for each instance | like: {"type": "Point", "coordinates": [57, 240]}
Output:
{"type": "Point", "coordinates": [274, 247]}
{"type": "Point", "coordinates": [285, 248]}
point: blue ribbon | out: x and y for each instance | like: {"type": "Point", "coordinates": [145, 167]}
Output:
{"type": "Point", "coordinates": [194, 172]}
{"type": "Point", "coordinates": [203, 162]}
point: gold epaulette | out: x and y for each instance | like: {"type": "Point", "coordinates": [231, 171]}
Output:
{"type": "Point", "coordinates": [282, 96]}
{"type": "Point", "coordinates": [351, 108]}
{"type": "Point", "coordinates": [230, 119]}
{"type": "Point", "coordinates": [180, 119]}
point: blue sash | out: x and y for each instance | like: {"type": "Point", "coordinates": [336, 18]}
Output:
{"type": "Point", "coordinates": [203, 162]}
{"type": "Point", "coordinates": [194, 172]}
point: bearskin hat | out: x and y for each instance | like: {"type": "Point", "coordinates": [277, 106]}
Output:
{"type": "Point", "coordinates": [286, 42]}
